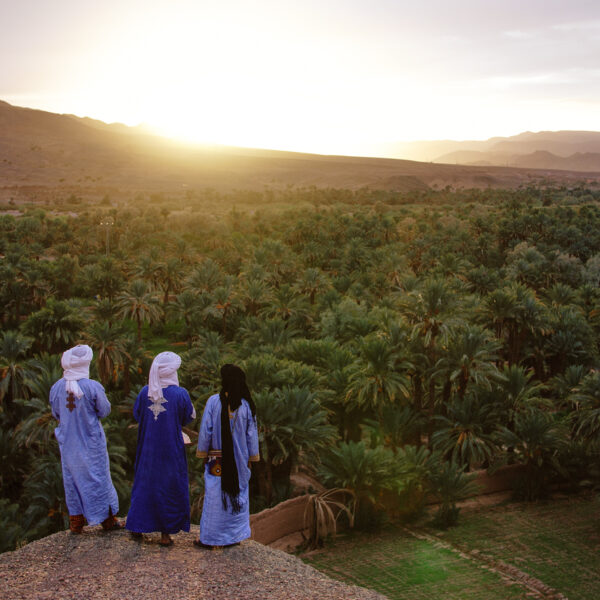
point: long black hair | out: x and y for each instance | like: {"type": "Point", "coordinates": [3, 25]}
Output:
{"type": "Point", "coordinates": [233, 389]}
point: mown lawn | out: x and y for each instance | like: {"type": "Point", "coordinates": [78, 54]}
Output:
{"type": "Point", "coordinates": [556, 542]}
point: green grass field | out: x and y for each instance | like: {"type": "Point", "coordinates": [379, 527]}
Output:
{"type": "Point", "coordinates": [557, 543]}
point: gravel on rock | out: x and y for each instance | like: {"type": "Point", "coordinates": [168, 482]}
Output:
{"type": "Point", "coordinates": [114, 566]}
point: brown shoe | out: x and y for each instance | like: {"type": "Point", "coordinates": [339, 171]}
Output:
{"type": "Point", "coordinates": [76, 523]}
{"type": "Point", "coordinates": [111, 522]}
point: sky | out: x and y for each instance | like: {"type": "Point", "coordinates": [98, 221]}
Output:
{"type": "Point", "coordinates": [334, 77]}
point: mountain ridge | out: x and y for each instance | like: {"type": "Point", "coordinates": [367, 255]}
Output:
{"type": "Point", "coordinates": [51, 151]}
{"type": "Point", "coordinates": [576, 148]}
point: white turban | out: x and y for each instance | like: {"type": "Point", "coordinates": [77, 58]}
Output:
{"type": "Point", "coordinates": [76, 365]}
{"type": "Point", "coordinates": [163, 373]}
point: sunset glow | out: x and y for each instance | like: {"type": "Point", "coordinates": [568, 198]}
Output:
{"type": "Point", "coordinates": [341, 78]}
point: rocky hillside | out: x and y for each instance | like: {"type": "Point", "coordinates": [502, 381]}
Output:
{"type": "Point", "coordinates": [113, 566]}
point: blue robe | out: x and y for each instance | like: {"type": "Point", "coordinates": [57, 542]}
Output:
{"type": "Point", "coordinates": [160, 498]}
{"type": "Point", "coordinates": [219, 527]}
{"type": "Point", "coordinates": [89, 490]}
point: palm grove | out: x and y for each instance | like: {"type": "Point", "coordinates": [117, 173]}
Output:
{"type": "Point", "coordinates": [394, 342]}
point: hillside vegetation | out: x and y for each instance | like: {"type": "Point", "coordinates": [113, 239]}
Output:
{"type": "Point", "coordinates": [393, 342]}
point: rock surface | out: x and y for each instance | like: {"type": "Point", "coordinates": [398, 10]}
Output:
{"type": "Point", "coordinates": [113, 566]}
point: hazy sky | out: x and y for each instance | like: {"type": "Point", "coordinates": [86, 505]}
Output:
{"type": "Point", "coordinates": [335, 76]}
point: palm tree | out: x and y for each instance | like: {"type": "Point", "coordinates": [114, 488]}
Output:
{"type": "Point", "coordinates": [560, 295]}
{"type": "Point", "coordinates": [46, 510]}
{"type": "Point", "coordinates": [312, 282]}
{"type": "Point", "coordinates": [15, 462]}
{"type": "Point", "coordinates": [11, 531]}
{"type": "Point", "coordinates": [103, 310]}
{"type": "Point", "coordinates": [271, 335]}
{"type": "Point", "coordinates": [291, 422]}
{"type": "Point", "coordinates": [537, 441]}
{"type": "Point", "coordinates": [139, 304]}
{"type": "Point", "coordinates": [367, 472]}
{"type": "Point", "coordinates": [516, 316]}
{"type": "Point", "coordinates": [399, 426]}
{"type": "Point", "coordinates": [255, 295]}
{"type": "Point", "coordinates": [201, 364]}
{"type": "Point", "coordinates": [586, 417]}
{"type": "Point", "coordinates": [286, 305]}
{"type": "Point", "coordinates": [56, 326]}
{"type": "Point", "coordinates": [14, 370]}
{"type": "Point", "coordinates": [376, 378]}
{"type": "Point", "coordinates": [572, 340]}
{"type": "Point", "coordinates": [467, 434]}
{"type": "Point", "coordinates": [415, 466]}
{"type": "Point", "coordinates": [517, 391]}
{"type": "Point", "coordinates": [564, 384]}
{"type": "Point", "coordinates": [431, 310]}
{"type": "Point", "coordinates": [190, 306]}
{"type": "Point", "coordinates": [14, 288]}
{"type": "Point", "coordinates": [205, 277]}
{"type": "Point", "coordinates": [39, 287]}
{"type": "Point", "coordinates": [36, 428]}
{"type": "Point", "coordinates": [169, 277]}
{"type": "Point", "coordinates": [224, 305]}
{"type": "Point", "coordinates": [104, 278]}
{"type": "Point", "coordinates": [500, 308]}
{"type": "Point", "coordinates": [450, 483]}
{"type": "Point", "coordinates": [109, 346]}
{"type": "Point", "coordinates": [470, 359]}
{"type": "Point", "coordinates": [148, 271]}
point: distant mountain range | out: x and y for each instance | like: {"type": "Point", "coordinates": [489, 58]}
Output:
{"type": "Point", "coordinates": [567, 150]}
{"type": "Point", "coordinates": [51, 154]}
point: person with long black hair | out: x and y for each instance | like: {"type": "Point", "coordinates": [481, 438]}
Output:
{"type": "Point", "coordinates": [228, 441]}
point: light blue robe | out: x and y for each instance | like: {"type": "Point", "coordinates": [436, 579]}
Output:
{"type": "Point", "coordinates": [219, 527]}
{"type": "Point", "coordinates": [89, 490]}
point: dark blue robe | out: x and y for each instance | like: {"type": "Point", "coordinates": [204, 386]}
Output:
{"type": "Point", "coordinates": [160, 498]}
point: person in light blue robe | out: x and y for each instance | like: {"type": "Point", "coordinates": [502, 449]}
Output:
{"type": "Point", "coordinates": [228, 441]}
{"type": "Point", "coordinates": [160, 499]}
{"type": "Point", "coordinates": [78, 403]}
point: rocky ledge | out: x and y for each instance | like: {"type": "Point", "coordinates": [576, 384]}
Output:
{"type": "Point", "coordinates": [113, 566]}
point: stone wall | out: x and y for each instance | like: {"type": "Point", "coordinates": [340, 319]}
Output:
{"type": "Point", "coordinates": [283, 525]}
{"type": "Point", "coordinates": [280, 521]}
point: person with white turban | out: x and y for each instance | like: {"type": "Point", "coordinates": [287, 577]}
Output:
{"type": "Point", "coordinates": [78, 403]}
{"type": "Point", "coordinates": [160, 498]}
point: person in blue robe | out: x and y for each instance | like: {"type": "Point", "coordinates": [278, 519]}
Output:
{"type": "Point", "coordinates": [78, 403]}
{"type": "Point", "coordinates": [228, 441]}
{"type": "Point", "coordinates": [160, 498]}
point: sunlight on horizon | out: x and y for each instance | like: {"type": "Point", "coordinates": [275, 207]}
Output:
{"type": "Point", "coordinates": [339, 81]}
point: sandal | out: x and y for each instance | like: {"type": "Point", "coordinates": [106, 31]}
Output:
{"type": "Point", "coordinates": [199, 544]}
{"type": "Point", "coordinates": [116, 525]}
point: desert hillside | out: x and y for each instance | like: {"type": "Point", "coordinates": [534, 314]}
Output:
{"type": "Point", "coordinates": [113, 566]}
{"type": "Point", "coordinates": [564, 150]}
{"type": "Point", "coordinates": [50, 151]}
